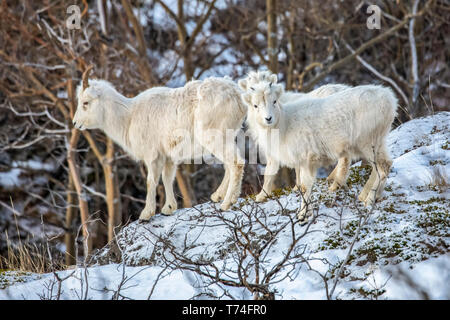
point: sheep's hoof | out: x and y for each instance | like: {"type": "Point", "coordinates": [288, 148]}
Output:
{"type": "Point", "coordinates": [296, 188]}
{"type": "Point", "coordinates": [145, 215]}
{"type": "Point", "coordinates": [302, 219]}
{"type": "Point", "coordinates": [362, 197]}
{"type": "Point", "coordinates": [168, 209]}
{"type": "Point", "coordinates": [261, 197]}
{"type": "Point", "coordinates": [225, 206]}
{"type": "Point", "coordinates": [216, 197]}
{"type": "Point", "coordinates": [143, 221]}
{"type": "Point", "coordinates": [336, 185]}
{"type": "Point", "coordinates": [369, 201]}
{"type": "Point", "coordinates": [333, 187]}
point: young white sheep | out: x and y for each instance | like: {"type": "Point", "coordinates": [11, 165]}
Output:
{"type": "Point", "coordinates": [350, 124]}
{"type": "Point", "coordinates": [336, 177]}
{"type": "Point", "coordinates": [164, 127]}
{"type": "Point", "coordinates": [255, 77]}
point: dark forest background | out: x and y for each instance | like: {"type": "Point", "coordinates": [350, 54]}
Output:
{"type": "Point", "coordinates": [53, 178]}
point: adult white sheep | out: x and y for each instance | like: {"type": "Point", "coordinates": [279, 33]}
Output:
{"type": "Point", "coordinates": [350, 124]}
{"type": "Point", "coordinates": [337, 177]}
{"type": "Point", "coordinates": [164, 127]}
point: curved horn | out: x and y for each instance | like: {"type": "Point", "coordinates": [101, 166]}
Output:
{"type": "Point", "coordinates": [85, 77]}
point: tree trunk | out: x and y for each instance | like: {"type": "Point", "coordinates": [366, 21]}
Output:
{"type": "Point", "coordinates": [184, 188]}
{"type": "Point", "coordinates": [84, 209]}
{"type": "Point", "coordinates": [117, 199]}
{"type": "Point", "coordinates": [74, 178]}
{"type": "Point", "coordinates": [272, 49]}
{"type": "Point", "coordinates": [112, 194]}
{"type": "Point", "coordinates": [69, 238]}
{"type": "Point", "coordinates": [415, 83]}
{"type": "Point", "coordinates": [291, 51]}
{"type": "Point", "coordinates": [142, 47]}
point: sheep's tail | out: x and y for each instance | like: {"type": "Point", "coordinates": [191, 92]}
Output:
{"type": "Point", "coordinates": [388, 102]}
{"type": "Point", "coordinates": [392, 101]}
{"type": "Point", "coordinates": [381, 106]}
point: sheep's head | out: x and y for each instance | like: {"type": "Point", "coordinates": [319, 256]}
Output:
{"type": "Point", "coordinates": [255, 77]}
{"type": "Point", "coordinates": [89, 114]}
{"type": "Point", "coordinates": [262, 102]}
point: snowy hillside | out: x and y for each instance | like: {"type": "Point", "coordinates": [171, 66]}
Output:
{"type": "Point", "coordinates": [401, 251]}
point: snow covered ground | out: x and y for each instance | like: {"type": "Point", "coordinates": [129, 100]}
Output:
{"type": "Point", "coordinates": [400, 253]}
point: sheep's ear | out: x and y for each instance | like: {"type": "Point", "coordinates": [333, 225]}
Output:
{"type": "Point", "coordinates": [243, 84]}
{"type": "Point", "coordinates": [266, 74]}
{"type": "Point", "coordinates": [247, 97]}
{"type": "Point", "coordinates": [93, 91]}
{"type": "Point", "coordinates": [278, 89]}
{"type": "Point", "coordinates": [273, 78]}
{"type": "Point", "coordinates": [253, 74]}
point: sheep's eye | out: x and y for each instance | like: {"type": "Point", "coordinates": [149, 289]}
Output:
{"type": "Point", "coordinates": [275, 102]}
{"type": "Point", "coordinates": [85, 105]}
{"type": "Point", "coordinates": [255, 106]}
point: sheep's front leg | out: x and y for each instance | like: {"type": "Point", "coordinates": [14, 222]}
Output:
{"type": "Point", "coordinates": [168, 175]}
{"type": "Point", "coordinates": [154, 171]}
{"type": "Point", "coordinates": [269, 179]}
{"type": "Point", "coordinates": [222, 189]}
{"type": "Point", "coordinates": [228, 153]}
{"type": "Point", "coordinates": [307, 177]}
{"type": "Point", "coordinates": [234, 185]}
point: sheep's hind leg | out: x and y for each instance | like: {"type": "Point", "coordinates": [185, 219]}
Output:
{"type": "Point", "coordinates": [332, 175]}
{"type": "Point", "coordinates": [339, 174]}
{"type": "Point", "coordinates": [222, 189]}
{"type": "Point", "coordinates": [308, 176]}
{"type": "Point", "coordinates": [168, 176]}
{"type": "Point", "coordinates": [382, 167]}
{"type": "Point", "coordinates": [154, 171]}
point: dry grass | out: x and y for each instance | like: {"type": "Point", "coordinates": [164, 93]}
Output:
{"type": "Point", "coordinates": [30, 258]}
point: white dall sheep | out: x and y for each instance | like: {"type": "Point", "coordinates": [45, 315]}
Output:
{"type": "Point", "coordinates": [336, 177]}
{"type": "Point", "coordinates": [164, 127]}
{"type": "Point", "coordinates": [254, 77]}
{"type": "Point", "coordinates": [350, 124]}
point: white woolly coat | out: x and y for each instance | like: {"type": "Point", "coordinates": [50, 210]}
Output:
{"type": "Point", "coordinates": [352, 121]}
{"type": "Point", "coordinates": [162, 121]}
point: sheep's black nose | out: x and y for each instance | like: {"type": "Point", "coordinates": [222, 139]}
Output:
{"type": "Point", "coordinates": [268, 119]}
